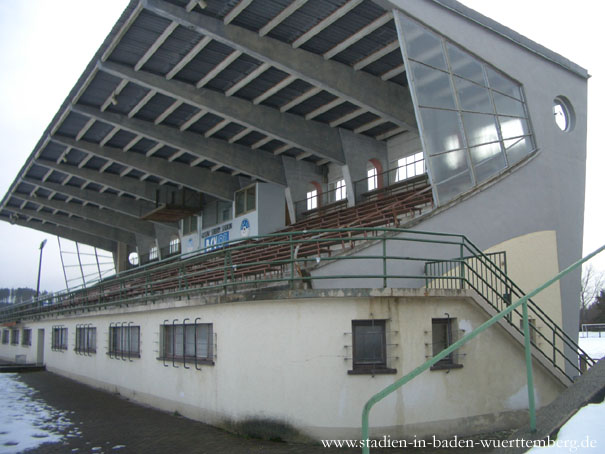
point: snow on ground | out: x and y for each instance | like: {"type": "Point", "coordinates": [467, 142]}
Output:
{"type": "Point", "coordinates": [592, 344]}
{"type": "Point", "coordinates": [26, 422]}
{"type": "Point", "coordinates": [583, 433]}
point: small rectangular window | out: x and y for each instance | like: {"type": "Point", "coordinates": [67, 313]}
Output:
{"type": "Point", "coordinates": [59, 338]}
{"type": "Point", "coordinates": [245, 200]}
{"type": "Point", "coordinates": [410, 166]}
{"type": "Point", "coordinates": [124, 341]}
{"type": "Point", "coordinates": [443, 335]}
{"type": "Point", "coordinates": [86, 339]}
{"type": "Point", "coordinates": [187, 342]}
{"type": "Point", "coordinates": [312, 199]}
{"type": "Point", "coordinates": [370, 347]}
{"type": "Point", "coordinates": [26, 337]}
{"type": "Point", "coordinates": [189, 225]}
{"type": "Point", "coordinates": [174, 247]}
{"type": "Point", "coordinates": [14, 337]}
{"type": "Point", "coordinates": [5, 336]}
{"type": "Point", "coordinates": [340, 190]}
{"type": "Point", "coordinates": [372, 179]}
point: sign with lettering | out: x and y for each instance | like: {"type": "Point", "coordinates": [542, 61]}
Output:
{"type": "Point", "coordinates": [216, 241]}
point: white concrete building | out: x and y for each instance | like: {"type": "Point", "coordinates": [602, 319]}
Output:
{"type": "Point", "coordinates": [305, 201]}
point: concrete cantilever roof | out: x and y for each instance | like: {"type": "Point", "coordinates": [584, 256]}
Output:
{"type": "Point", "coordinates": [207, 95]}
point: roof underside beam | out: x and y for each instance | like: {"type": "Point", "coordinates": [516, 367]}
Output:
{"type": "Point", "coordinates": [386, 100]}
{"type": "Point", "coordinates": [90, 213]}
{"type": "Point", "coordinates": [127, 206]}
{"type": "Point", "coordinates": [231, 155]}
{"type": "Point", "coordinates": [141, 189]}
{"type": "Point", "coordinates": [218, 185]}
{"type": "Point", "coordinates": [314, 137]}
{"type": "Point", "coordinates": [89, 227]}
{"type": "Point", "coordinates": [69, 234]}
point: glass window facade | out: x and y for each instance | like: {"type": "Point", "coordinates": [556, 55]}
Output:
{"type": "Point", "coordinates": [472, 118]}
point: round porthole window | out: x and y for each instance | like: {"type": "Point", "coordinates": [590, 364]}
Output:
{"type": "Point", "coordinates": [133, 258]}
{"type": "Point", "coordinates": [563, 113]}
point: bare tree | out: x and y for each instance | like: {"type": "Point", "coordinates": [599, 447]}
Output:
{"type": "Point", "coordinates": [593, 281]}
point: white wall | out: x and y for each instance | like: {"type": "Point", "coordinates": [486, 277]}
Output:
{"type": "Point", "coordinates": [287, 361]}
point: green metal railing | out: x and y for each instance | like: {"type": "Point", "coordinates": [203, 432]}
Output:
{"type": "Point", "coordinates": [327, 258]}
{"type": "Point", "coordinates": [524, 302]}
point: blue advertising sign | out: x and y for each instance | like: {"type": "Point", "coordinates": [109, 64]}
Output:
{"type": "Point", "coordinates": [216, 241]}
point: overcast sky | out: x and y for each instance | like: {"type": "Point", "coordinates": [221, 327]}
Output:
{"type": "Point", "coordinates": [45, 46]}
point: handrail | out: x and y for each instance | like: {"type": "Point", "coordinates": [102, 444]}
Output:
{"type": "Point", "coordinates": [288, 258]}
{"type": "Point", "coordinates": [365, 415]}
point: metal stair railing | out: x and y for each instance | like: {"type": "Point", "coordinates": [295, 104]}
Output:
{"type": "Point", "coordinates": [480, 273]}
{"type": "Point", "coordinates": [524, 303]}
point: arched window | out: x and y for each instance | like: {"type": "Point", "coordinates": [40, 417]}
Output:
{"type": "Point", "coordinates": [374, 175]}
{"type": "Point", "coordinates": [340, 190]}
{"type": "Point", "coordinates": [314, 196]}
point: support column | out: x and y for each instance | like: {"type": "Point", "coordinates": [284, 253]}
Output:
{"type": "Point", "coordinates": [299, 175]}
{"type": "Point", "coordinates": [163, 236]}
{"type": "Point", "coordinates": [120, 258]}
{"type": "Point", "coordinates": [358, 150]}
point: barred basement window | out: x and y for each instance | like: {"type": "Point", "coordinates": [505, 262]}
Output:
{"type": "Point", "coordinates": [86, 339]}
{"type": "Point", "coordinates": [26, 337]}
{"type": "Point", "coordinates": [188, 342]}
{"type": "Point", "coordinates": [444, 335]}
{"type": "Point", "coordinates": [59, 338]}
{"type": "Point", "coordinates": [124, 341]}
{"type": "Point", "coordinates": [5, 336]}
{"type": "Point", "coordinates": [370, 347]}
{"type": "Point", "coordinates": [14, 337]}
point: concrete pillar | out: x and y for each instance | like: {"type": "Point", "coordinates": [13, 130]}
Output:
{"type": "Point", "coordinates": [299, 175]}
{"type": "Point", "coordinates": [358, 150]}
{"type": "Point", "coordinates": [120, 257]}
{"type": "Point", "coordinates": [163, 235]}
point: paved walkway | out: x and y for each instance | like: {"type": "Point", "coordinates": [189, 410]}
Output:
{"type": "Point", "coordinates": [106, 423]}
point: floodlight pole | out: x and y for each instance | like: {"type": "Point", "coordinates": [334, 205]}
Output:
{"type": "Point", "coordinates": [42, 244]}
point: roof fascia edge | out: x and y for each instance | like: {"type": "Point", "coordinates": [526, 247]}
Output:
{"type": "Point", "coordinates": [505, 32]}
{"type": "Point", "coordinates": [82, 80]}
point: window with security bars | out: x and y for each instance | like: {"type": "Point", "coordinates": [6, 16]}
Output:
{"type": "Point", "coordinates": [188, 342]}
{"type": "Point", "coordinates": [124, 341]}
{"type": "Point", "coordinates": [444, 333]}
{"type": "Point", "coordinates": [86, 339]}
{"type": "Point", "coordinates": [26, 337]}
{"type": "Point", "coordinates": [14, 337]}
{"type": "Point", "coordinates": [370, 347]}
{"type": "Point", "coordinates": [59, 338]}
{"type": "Point", "coordinates": [5, 336]}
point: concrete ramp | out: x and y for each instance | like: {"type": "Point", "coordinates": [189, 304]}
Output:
{"type": "Point", "coordinates": [589, 388]}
